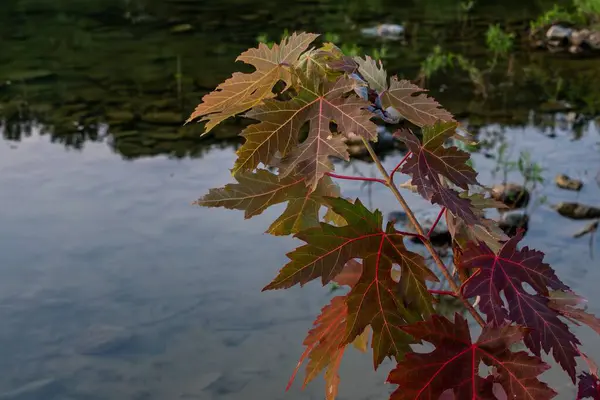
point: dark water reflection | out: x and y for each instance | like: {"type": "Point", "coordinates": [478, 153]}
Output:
{"type": "Point", "coordinates": [92, 244]}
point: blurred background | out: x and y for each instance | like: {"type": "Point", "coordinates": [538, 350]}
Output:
{"type": "Point", "coordinates": [113, 286]}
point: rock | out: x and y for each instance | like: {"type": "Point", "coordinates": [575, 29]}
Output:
{"type": "Point", "coordinates": [117, 117]}
{"type": "Point", "coordinates": [564, 182]}
{"type": "Point", "coordinates": [511, 222]}
{"type": "Point", "coordinates": [47, 389]}
{"type": "Point", "coordinates": [104, 339]}
{"type": "Point", "coordinates": [182, 28]}
{"type": "Point", "coordinates": [163, 118]}
{"type": "Point", "coordinates": [586, 39]}
{"type": "Point", "coordinates": [512, 195]}
{"type": "Point", "coordinates": [577, 211]}
{"type": "Point", "coordinates": [558, 36]}
{"type": "Point", "coordinates": [385, 142]}
{"type": "Point", "coordinates": [386, 31]}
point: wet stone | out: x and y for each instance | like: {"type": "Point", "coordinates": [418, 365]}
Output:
{"type": "Point", "coordinates": [577, 210]}
{"type": "Point", "coordinates": [512, 195]}
{"type": "Point", "coordinates": [565, 182]}
{"type": "Point", "coordinates": [511, 222]}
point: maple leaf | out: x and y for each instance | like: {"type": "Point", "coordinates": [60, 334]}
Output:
{"type": "Point", "coordinates": [376, 299]}
{"type": "Point", "coordinates": [318, 104]}
{"type": "Point", "coordinates": [566, 303]}
{"type": "Point", "coordinates": [421, 109]}
{"type": "Point", "coordinates": [257, 191]}
{"type": "Point", "coordinates": [324, 346]}
{"type": "Point", "coordinates": [507, 272]}
{"type": "Point", "coordinates": [589, 383]}
{"type": "Point", "coordinates": [485, 231]}
{"type": "Point", "coordinates": [243, 91]}
{"type": "Point", "coordinates": [430, 160]}
{"type": "Point", "coordinates": [453, 366]}
{"type": "Point", "coordinates": [588, 387]}
{"type": "Point", "coordinates": [374, 74]}
{"type": "Point", "coordinates": [325, 103]}
{"type": "Point", "coordinates": [316, 63]}
{"type": "Point", "coordinates": [345, 64]}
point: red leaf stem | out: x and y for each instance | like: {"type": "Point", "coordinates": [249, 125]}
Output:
{"type": "Point", "coordinates": [355, 178]}
{"type": "Point", "coordinates": [442, 211]}
{"type": "Point", "coordinates": [399, 165]}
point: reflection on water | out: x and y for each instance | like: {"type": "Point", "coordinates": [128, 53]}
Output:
{"type": "Point", "coordinates": [112, 286]}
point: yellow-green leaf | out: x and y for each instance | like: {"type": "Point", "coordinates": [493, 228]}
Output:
{"type": "Point", "coordinates": [243, 91]}
{"type": "Point", "coordinates": [256, 191]}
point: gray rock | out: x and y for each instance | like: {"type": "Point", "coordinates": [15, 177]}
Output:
{"type": "Point", "coordinates": [386, 31]}
{"type": "Point", "coordinates": [512, 195]}
{"type": "Point", "coordinates": [511, 222]}
{"type": "Point", "coordinates": [577, 211]}
{"type": "Point", "coordinates": [46, 389]}
{"type": "Point", "coordinates": [565, 182]}
{"type": "Point", "coordinates": [104, 339]}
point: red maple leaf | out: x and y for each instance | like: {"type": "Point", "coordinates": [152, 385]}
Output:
{"type": "Point", "coordinates": [376, 299]}
{"type": "Point", "coordinates": [589, 386]}
{"type": "Point", "coordinates": [567, 304]}
{"type": "Point", "coordinates": [431, 162]}
{"type": "Point", "coordinates": [324, 342]}
{"type": "Point", "coordinates": [453, 367]}
{"type": "Point", "coordinates": [507, 272]}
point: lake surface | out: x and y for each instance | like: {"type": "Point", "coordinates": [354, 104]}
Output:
{"type": "Point", "coordinates": [98, 238]}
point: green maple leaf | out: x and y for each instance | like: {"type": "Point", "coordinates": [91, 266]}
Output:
{"type": "Point", "coordinates": [317, 103]}
{"type": "Point", "coordinates": [374, 74]}
{"type": "Point", "coordinates": [315, 62]}
{"type": "Point", "coordinates": [256, 191]}
{"type": "Point", "coordinates": [244, 91]}
{"type": "Point", "coordinates": [377, 299]}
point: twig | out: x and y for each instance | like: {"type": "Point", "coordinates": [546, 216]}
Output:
{"type": "Point", "coordinates": [442, 211]}
{"type": "Point", "coordinates": [419, 229]}
{"type": "Point", "coordinates": [399, 165]}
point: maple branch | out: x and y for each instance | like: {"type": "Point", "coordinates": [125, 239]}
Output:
{"type": "Point", "coordinates": [355, 178]}
{"type": "Point", "coordinates": [443, 292]}
{"type": "Point", "coordinates": [442, 211]}
{"type": "Point", "coordinates": [399, 165]}
{"type": "Point", "coordinates": [427, 243]}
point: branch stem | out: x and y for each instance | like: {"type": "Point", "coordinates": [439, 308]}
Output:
{"type": "Point", "coordinates": [356, 178]}
{"type": "Point", "coordinates": [427, 243]}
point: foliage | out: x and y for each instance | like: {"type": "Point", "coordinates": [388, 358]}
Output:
{"type": "Point", "coordinates": [498, 42]}
{"type": "Point", "coordinates": [307, 101]}
{"type": "Point", "coordinates": [440, 61]}
{"type": "Point", "coordinates": [581, 12]}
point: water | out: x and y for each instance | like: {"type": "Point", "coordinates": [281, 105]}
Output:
{"type": "Point", "coordinates": [99, 234]}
